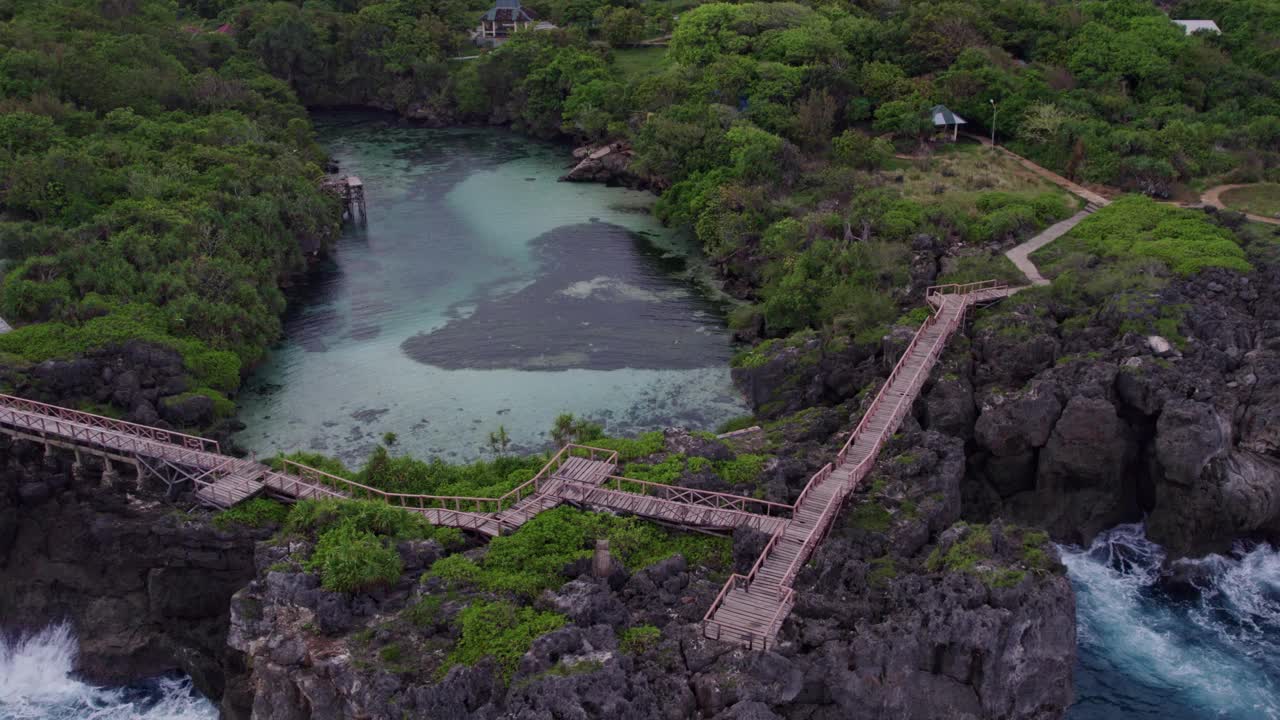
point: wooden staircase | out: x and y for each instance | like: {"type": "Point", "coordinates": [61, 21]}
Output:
{"type": "Point", "coordinates": [238, 481]}
{"type": "Point", "coordinates": [751, 608]}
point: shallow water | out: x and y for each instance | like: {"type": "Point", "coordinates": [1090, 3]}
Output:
{"type": "Point", "coordinates": [36, 683]}
{"type": "Point", "coordinates": [1153, 649]}
{"type": "Point", "coordinates": [483, 293]}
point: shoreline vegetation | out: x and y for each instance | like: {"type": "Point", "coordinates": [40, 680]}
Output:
{"type": "Point", "coordinates": [159, 179]}
{"type": "Point", "coordinates": [770, 128]}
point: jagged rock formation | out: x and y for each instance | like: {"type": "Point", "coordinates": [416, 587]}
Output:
{"type": "Point", "coordinates": [886, 627]}
{"type": "Point", "coordinates": [1077, 427]}
{"type": "Point", "coordinates": [145, 585]}
{"type": "Point", "coordinates": [146, 380]}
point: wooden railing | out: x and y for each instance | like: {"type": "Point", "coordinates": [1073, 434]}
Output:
{"type": "Point", "coordinates": [817, 479]}
{"type": "Point", "coordinates": [964, 289]}
{"type": "Point", "coordinates": [735, 580]}
{"type": "Point", "coordinates": [79, 425]}
{"type": "Point", "coordinates": [815, 536]}
{"type": "Point", "coordinates": [904, 401]}
{"type": "Point", "coordinates": [534, 485]}
{"type": "Point", "coordinates": [700, 498]}
{"type": "Point", "coordinates": [292, 484]}
{"type": "Point", "coordinates": [902, 398]}
{"type": "Point", "coordinates": [457, 506]}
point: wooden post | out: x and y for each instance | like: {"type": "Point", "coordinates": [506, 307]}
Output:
{"type": "Point", "coordinates": [601, 563]}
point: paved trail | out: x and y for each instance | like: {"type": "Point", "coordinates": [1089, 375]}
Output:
{"type": "Point", "coordinates": [1213, 196]}
{"type": "Point", "coordinates": [1020, 255]}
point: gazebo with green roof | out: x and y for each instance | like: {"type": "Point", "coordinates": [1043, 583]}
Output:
{"type": "Point", "coordinates": [943, 117]}
{"type": "Point", "coordinates": [505, 17]}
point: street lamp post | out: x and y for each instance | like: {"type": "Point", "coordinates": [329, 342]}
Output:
{"type": "Point", "coordinates": [993, 121]}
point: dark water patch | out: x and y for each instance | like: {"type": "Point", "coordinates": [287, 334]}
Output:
{"type": "Point", "coordinates": [596, 304]}
{"type": "Point", "coordinates": [369, 415]}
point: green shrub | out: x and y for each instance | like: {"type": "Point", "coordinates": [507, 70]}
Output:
{"type": "Point", "coordinates": [258, 512]}
{"type": "Point", "coordinates": [533, 558]}
{"type": "Point", "coordinates": [667, 472]}
{"type": "Point", "coordinates": [639, 639]}
{"type": "Point", "coordinates": [324, 463]}
{"type": "Point", "coordinates": [739, 423]}
{"type": "Point", "coordinates": [640, 446]}
{"type": "Point", "coordinates": [501, 631]}
{"type": "Point", "coordinates": [455, 569]}
{"type": "Point", "coordinates": [742, 470]}
{"type": "Point", "coordinates": [391, 653]}
{"type": "Point", "coordinates": [349, 560]}
{"type": "Point", "coordinates": [869, 515]}
{"type": "Point", "coordinates": [424, 613]}
{"type": "Point", "coordinates": [882, 571]}
{"type": "Point", "coordinates": [482, 479]}
{"type": "Point", "coordinates": [313, 517]}
{"type": "Point", "coordinates": [216, 369]}
{"type": "Point", "coordinates": [1139, 227]}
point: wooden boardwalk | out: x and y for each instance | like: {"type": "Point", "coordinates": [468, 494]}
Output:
{"type": "Point", "coordinates": [750, 608]}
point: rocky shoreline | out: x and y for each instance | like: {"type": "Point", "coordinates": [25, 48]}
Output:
{"type": "Point", "coordinates": [1075, 426]}
{"type": "Point", "coordinates": [903, 613]}
{"type": "Point", "coordinates": [145, 585]}
{"type": "Point", "coordinates": [935, 596]}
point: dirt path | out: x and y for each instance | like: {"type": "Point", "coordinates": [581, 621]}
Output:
{"type": "Point", "coordinates": [1021, 255]}
{"type": "Point", "coordinates": [1213, 197]}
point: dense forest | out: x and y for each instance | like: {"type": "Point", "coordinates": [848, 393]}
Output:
{"type": "Point", "coordinates": [157, 184]}
{"type": "Point", "coordinates": [159, 179]}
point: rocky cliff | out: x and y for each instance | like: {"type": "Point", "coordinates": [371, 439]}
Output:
{"type": "Point", "coordinates": [904, 613]}
{"type": "Point", "coordinates": [145, 585]}
{"type": "Point", "coordinates": [1074, 422]}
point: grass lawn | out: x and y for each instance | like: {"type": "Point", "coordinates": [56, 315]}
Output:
{"type": "Point", "coordinates": [1262, 199]}
{"type": "Point", "coordinates": [980, 266]}
{"type": "Point", "coordinates": [961, 172]}
{"type": "Point", "coordinates": [638, 62]}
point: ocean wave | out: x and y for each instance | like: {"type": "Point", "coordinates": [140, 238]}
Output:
{"type": "Point", "coordinates": [1195, 639]}
{"type": "Point", "coordinates": [37, 683]}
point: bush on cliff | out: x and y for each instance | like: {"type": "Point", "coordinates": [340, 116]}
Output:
{"type": "Point", "coordinates": [316, 517]}
{"type": "Point", "coordinates": [258, 512]}
{"type": "Point", "coordinates": [501, 631]}
{"type": "Point", "coordinates": [533, 558]}
{"type": "Point", "coordinates": [1136, 228]}
{"type": "Point", "coordinates": [349, 559]}
{"type": "Point", "coordinates": [147, 166]}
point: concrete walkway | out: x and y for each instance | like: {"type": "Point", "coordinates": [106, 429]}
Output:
{"type": "Point", "coordinates": [1021, 255]}
{"type": "Point", "coordinates": [1213, 196]}
{"type": "Point", "coordinates": [1053, 177]}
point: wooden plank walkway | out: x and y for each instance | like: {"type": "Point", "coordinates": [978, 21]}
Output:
{"type": "Point", "coordinates": [750, 608]}
{"type": "Point", "coordinates": [657, 508]}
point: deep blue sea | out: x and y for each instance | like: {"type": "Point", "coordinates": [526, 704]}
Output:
{"type": "Point", "coordinates": [1153, 648]}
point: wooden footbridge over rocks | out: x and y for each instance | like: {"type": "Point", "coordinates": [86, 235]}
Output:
{"type": "Point", "coordinates": [750, 608]}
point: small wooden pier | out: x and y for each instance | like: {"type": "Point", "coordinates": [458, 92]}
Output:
{"type": "Point", "coordinates": [350, 190]}
{"type": "Point", "coordinates": [353, 198]}
{"type": "Point", "coordinates": [750, 609]}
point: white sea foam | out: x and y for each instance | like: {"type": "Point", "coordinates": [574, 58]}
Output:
{"type": "Point", "coordinates": [36, 683]}
{"type": "Point", "coordinates": [1148, 653]}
